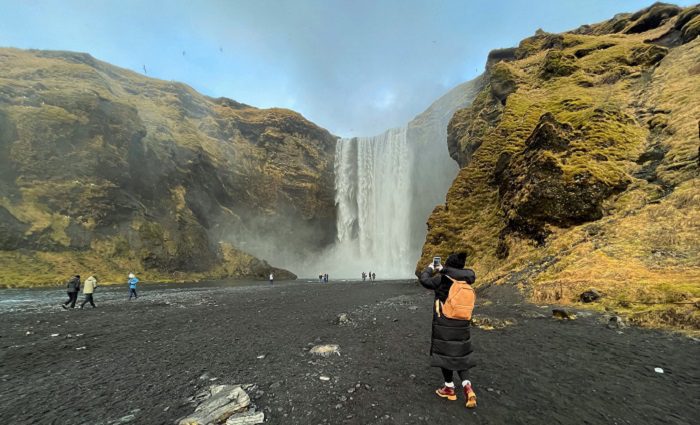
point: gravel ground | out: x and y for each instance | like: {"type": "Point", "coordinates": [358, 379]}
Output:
{"type": "Point", "coordinates": [138, 362]}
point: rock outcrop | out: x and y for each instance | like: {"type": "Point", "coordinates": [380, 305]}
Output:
{"type": "Point", "coordinates": [103, 170]}
{"type": "Point", "coordinates": [579, 166]}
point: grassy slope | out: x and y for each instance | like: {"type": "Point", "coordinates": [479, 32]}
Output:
{"type": "Point", "coordinates": [621, 102]}
{"type": "Point", "coordinates": [73, 129]}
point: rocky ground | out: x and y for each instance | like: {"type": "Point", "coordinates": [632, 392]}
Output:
{"type": "Point", "coordinates": [139, 362]}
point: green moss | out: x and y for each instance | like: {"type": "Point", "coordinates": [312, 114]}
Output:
{"type": "Point", "coordinates": [558, 64]}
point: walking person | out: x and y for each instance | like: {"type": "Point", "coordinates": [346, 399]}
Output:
{"type": "Point", "coordinates": [374, 277]}
{"type": "Point", "coordinates": [88, 289]}
{"type": "Point", "coordinates": [320, 278]}
{"type": "Point", "coordinates": [272, 278]}
{"type": "Point", "coordinates": [133, 280]}
{"type": "Point", "coordinates": [72, 288]}
{"type": "Point", "coordinates": [364, 275]}
{"type": "Point", "coordinates": [325, 278]}
{"type": "Point", "coordinates": [451, 348]}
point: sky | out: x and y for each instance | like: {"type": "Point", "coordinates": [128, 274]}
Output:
{"type": "Point", "coordinates": [354, 67]}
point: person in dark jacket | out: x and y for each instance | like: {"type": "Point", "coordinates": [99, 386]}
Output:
{"type": "Point", "coordinates": [451, 347]}
{"type": "Point", "coordinates": [72, 287]}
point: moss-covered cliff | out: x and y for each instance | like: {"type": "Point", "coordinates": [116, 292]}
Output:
{"type": "Point", "coordinates": [103, 170]}
{"type": "Point", "coordinates": [579, 168]}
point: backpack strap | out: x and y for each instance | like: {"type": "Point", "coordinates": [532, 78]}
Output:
{"type": "Point", "coordinates": [437, 307]}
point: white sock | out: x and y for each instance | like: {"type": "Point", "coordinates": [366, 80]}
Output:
{"type": "Point", "coordinates": [450, 384]}
{"type": "Point", "coordinates": [466, 382]}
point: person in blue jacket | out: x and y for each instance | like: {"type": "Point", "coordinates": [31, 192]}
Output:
{"type": "Point", "coordinates": [133, 280]}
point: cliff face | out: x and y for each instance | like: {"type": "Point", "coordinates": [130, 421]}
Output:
{"type": "Point", "coordinates": [579, 168]}
{"type": "Point", "coordinates": [103, 170]}
{"type": "Point", "coordinates": [432, 171]}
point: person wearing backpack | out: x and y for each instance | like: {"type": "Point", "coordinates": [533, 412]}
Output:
{"type": "Point", "coordinates": [451, 348]}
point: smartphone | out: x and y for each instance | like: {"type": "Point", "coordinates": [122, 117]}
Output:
{"type": "Point", "coordinates": [436, 261]}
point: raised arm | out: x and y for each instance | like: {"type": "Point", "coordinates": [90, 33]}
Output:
{"type": "Point", "coordinates": [428, 280]}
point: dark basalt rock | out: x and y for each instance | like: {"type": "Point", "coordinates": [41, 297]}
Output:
{"type": "Point", "coordinates": [502, 81]}
{"type": "Point", "coordinates": [535, 191]}
{"type": "Point", "coordinates": [589, 296]}
{"type": "Point", "coordinates": [558, 64]}
{"type": "Point", "coordinates": [549, 134]}
{"type": "Point", "coordinates": [652, 17]}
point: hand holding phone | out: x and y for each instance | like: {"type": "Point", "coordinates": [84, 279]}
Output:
{"type": "Point", "coordinates": [436, 261]}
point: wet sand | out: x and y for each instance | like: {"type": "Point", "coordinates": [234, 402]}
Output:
{"type": "Point", "coordinates": [142, 359]}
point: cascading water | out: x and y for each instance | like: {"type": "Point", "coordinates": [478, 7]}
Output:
{"type": "Point", "coordinates": [386, 186]}
{"type": "Point", "coordinates": [373, 198]}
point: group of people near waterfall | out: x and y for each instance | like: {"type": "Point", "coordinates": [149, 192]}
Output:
{"type": "Point", "coordinates": [371, 276]}
{"type": "Point", "coordinates": [73, 288]}
{"type": "Point", "coordinates": [323, 278]}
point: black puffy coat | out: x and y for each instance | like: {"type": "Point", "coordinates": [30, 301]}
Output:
{"type": "Point", "coordinates": [73, 284]}
{"type": "Point", "coordinates": [450, 346]}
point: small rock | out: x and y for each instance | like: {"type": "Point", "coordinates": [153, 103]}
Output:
{"type": "Point", "coordinates": [125, 419]}
{"type": "Point", "coordinates": [342, 319]}
{"type": "Point", "coordinates": [658, 370]}
{"type": "Point", "coordinates": [561, 314]}
{"type": "Point", "coordinates": [81, 348]}
{"type": "Point", "coordinates": [413, 307]}
{"type": "Point", "coordinates": [247, 418]}
{"type": "Point", "coordinates": [324, 378]}
{"type": "Point", "coordinates": [262, 356]}
{"type": "Point", "coordinates": [166, 408]}
{"type": "Point", "coordinates": [351, 390]}
{"type": "Point", "coordinates": [29, 333]}
{"type": "Point", "coordinates": [616, 322]}
{"type": "Point", "coordinates": [54, 335]}
{"type": "Point", "coordinates": [325, 350]}
{"type": "Point", "coordinates": [589, 296]}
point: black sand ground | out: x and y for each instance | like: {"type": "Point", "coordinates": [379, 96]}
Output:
{"type": "Point", "coordinates": [143, 359]}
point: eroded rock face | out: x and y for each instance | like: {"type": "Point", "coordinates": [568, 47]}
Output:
{"type": "Point", "coordinates": [579, 163]}
{"type": "Point", "coordinates": [105, 167]}
{"type": "Point", "coordinates": [535, 190]}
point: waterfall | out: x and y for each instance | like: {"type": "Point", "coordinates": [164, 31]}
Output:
{"type": "Point", "coordinates": [373, 199]}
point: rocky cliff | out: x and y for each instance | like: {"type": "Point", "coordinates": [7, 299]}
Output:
{"type": "Point", "coordinates": [103, 170]}
{"type": "Point", "coordinates": [579, 168]}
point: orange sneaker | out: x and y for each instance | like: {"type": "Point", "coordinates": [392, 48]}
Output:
{"type": "Point", "coordinates": [470, 396]}
{"type": "Point", "coordinates": [446, 392]}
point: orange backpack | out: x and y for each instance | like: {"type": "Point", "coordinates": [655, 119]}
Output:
{"type": "Point", "coordinates": [460, 301]}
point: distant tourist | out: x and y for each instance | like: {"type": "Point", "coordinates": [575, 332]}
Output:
{"type": "Point", "coordinates": [374, 277]}
{"type": "Point", "coordinates": [364, 275]}
{"type": "Point", "coordinates": [369, 276]}
{"type": "Point", "coordinates": [320, 278]}
{"type": "Point", "coordinates": [325, 277]}
{"type": "Point", "coordinates": [72, 287]}
{"type": "Point", "coordinates": [272, 278]}
{"type": "Point", "coordinates": [88, 288]}
{"type": "Point", "coordinates": [133, 280]}
{"type": "Point", "coordinates": [450, 347]}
